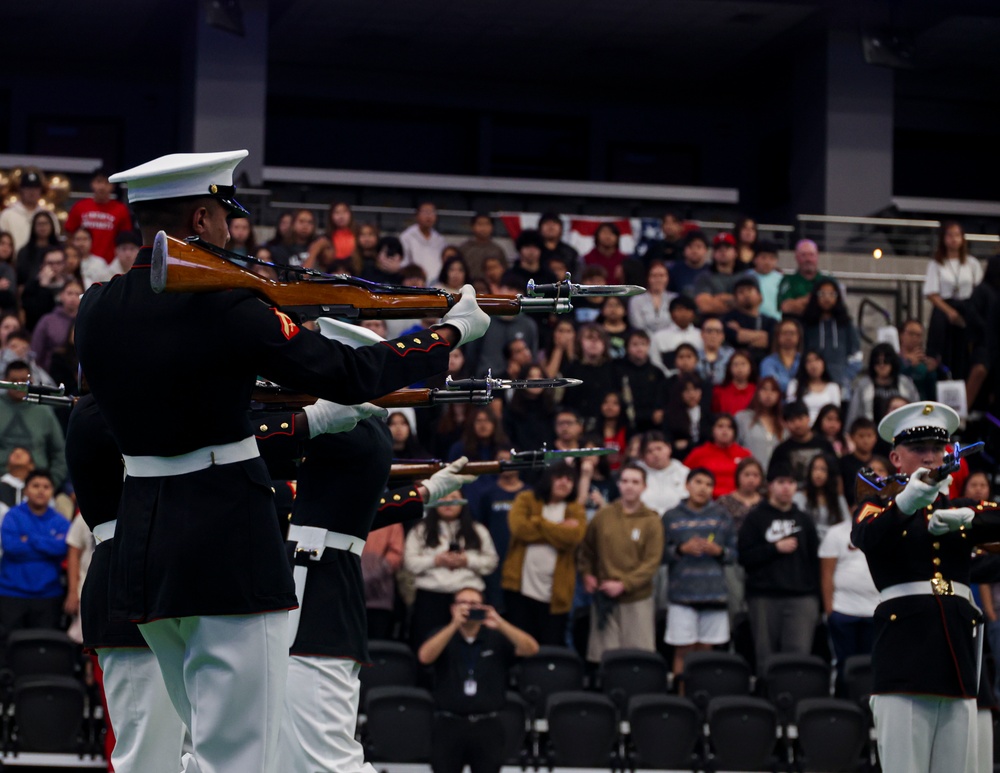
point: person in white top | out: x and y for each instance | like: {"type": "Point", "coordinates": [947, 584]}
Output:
{"type": "Point", "coordinates": [93, 268]}
{"type": "Point", "coordinates": [422, 244]}
{"type": "Point", "coordinates": [849, 595]}
{"type": "Point", "coordinates": [651, 310]}
{"type": "Point", "coordinates": [952, 275]}
{"type": "Point", "coordinates": [666, 478]}
{"type": "Point", "coordinates": [817, 387]}
{"type": "Point", "coordinates": [681, 330]}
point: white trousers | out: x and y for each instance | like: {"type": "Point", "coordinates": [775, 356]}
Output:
{"type": "Point", "coordinates": [321, 716]}
{"type": "Point", "coordinates": [925, 733]}
{"type": "Point", "coordinates": [225, 675]}
{"type": "Point", "coordinates": [984, 741]}
{"type": "Point", "coordinates": [148, 732]}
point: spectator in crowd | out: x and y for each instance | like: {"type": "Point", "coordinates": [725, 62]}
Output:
{"type": "Point", "coordinates": [8, 274]}
{"type": "Point", "coordinates": [481, 246]}
{"type": "Point", "coordinates": [568, 429]}
{"type": "Point", "coordinates": [79, 551]}
{"type": "Point", "coordinates": [482, 436]}
{"type": "Point", "coordinates": [9, 323]}
{"type": "Point", "coordinates": [492, 509]}
{"type": "Point", "coordinates": [422, 244]}
{"type": "Point", "coordinates": [830, 426]}
{"type": "Point", "coordinates": [487, 353]}
{"type": "Point", "coordinates": [849, 595]}
{"type": "Point", "coordinates": [42, 237]}
{"type": "Point", "coordinates": [402, 428]}
{"type": "Point", "coordinates": [713, 289]}
{"type": "Point", "coordinates": [341, 230]}
{"type": "Point", "coordinates": [688, 418]}
{"type": "Point", "coordinates": [719, 455]}
{"type": "Point", "coordinates": [699, 541]}
{"type": "Point", "coordinates": [783, 362]}
{"type": "Point", "coordinates": [759, 425]}
{"type": "Point", "coordinates": [814, 385]}
{"type": "Point", "coordinates": [492, 275]}
{"type": "Point", "coordinates": [714, 356]}
{"type": "Point", "coordinates": [829, 331]}
{"type": "Point", "coordinates": [388, 261]}
{"type": "Point", "coordinates": [282, 230]}
{"type": "Point", "coordinates": [528, 264]}
{"type": "Point", "coordinates": [612, 425]}
{"type": "Point", "coordinates": [952, 275]}
{"type": "Point", "coordinates": [241, 236]}
{"type": "Point", "coordinates": [593, 367]}
{"type": "Point", "coordinates": [820, 497]}
{"type": "Point", "coordinates": [321, 257]}
{"type": "Point", "coordinates": [381, 559]}
{"type": "Point", "coordinates": [914, 361]}
{"type": "Point", "coordinates": [619, 555]}
{"type": "Point", "coordinates": [17, 219]}
{"type": "Point", "coordinates": [650, 311]}
{"type": "Point", "coordinates": [470, 683]}
{"type": "Point", "coordinates": [446, 552]}
{"type": "Point", "coordinates": [738, 386]}
{"type": "Point", "coordinates": [539, 574]}
{"type": "Point", "coordinates": [795, 289]}
{"type": "Point", "coordinates": [746, 242]}
{"type": "Point", "coordinates": [643, 385]}
{"type": "Point", "coordinates": [872, 390]}
{"type": "Point", "coordinates": [588, 309]}
{"type": "Point", "coordinates": [19, 464]}
{"type": "Point", "coordinates": [606, 253]}
{"type": "Point", "coordinates": [103, 216]}
{"type": "Point", "coordinates": [778, 547]}
{"type": "Point", "coordinates": [294, 249]}
{"type": "Point", "coordinates": [93, 268]}
{"type": "Point", "coordinates": [53, 330]}
{"type": "Point", "coordinates": [863, 438]}
{"type": "Point", "coordinates": [562, 349]}
{"type": "Point", "coordinates": [737, 504]}
{"type": "Point", "coordinates": [666, 249]}
{"type": "Point", "coordinates": [681, 330]}
{"type": "Point", "coordinates": [983, 311]}
{"type": "Point", "coordinates": [665, 476]}
{"type": "Point", "coordinates": [33, 536]}
{"type": "Point", "coordinates": [597, 485]}
{"type": "Point", "coordinates": [554, 248]}
{"type": "Point", "coordinates": [127, 246]}
{"type": "Point", "coordinates": [454, 274]}
{"type": "Point", "coordinates": [366, 248]}
{"type": "Point", "coordinates": [614, 320]}
{"type": "Point", "coordinates": [765, 271]}
{"type": "Point", "coordinates": [684, 273]}
{"type": "Point", "coordinates": [745, 326]}
{"type": "Point", "coordinates": [31, 426]}
{"type": "Point", "coordinates": [18, 348]}
{"type": "Point", "coordinates": [802, 444]}
{"type": "Point", "coordinates": [527, 419]}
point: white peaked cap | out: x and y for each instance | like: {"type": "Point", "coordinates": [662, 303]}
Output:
{"type": "Point", "coordinates": [183, 174]}
{"type": "Point", "coordinates": [351, 335]}
{"type": "Point", "coordinates": [920, 421]}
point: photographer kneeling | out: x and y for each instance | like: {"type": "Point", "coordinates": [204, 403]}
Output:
{"type": "Point", "coordinates": [470, 681]}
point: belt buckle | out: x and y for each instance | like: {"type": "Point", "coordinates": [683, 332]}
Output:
{"type": "Point", "coordinates": [942, 587]}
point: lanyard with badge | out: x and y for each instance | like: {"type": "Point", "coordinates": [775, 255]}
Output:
{"type": "Point", "coordinates": [470, 656]}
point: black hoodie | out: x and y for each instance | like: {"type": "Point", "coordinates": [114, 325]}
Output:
{"type": "Point", "coordinates": [769, 572]}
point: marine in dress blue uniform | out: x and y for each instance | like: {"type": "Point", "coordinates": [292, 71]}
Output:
{"type": "Point", "coordinates": [198, 557]}
{"type": "Point", "coordinates": [928, 632]}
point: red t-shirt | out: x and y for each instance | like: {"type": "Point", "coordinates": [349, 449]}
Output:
{"type": "Point", "coordinates": [729, 398]}
{"type": "Point", "coordinates": [104, 221]}
{"type": "Point", "coordinates": [721, 462]}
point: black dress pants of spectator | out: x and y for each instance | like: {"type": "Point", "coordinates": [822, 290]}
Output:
{"type": "Point", "coordinates": [18, 613]}
{"type": "Point", "coordinates": [535, 618]}
{"type": "Point", "coordinates": [476, 741]}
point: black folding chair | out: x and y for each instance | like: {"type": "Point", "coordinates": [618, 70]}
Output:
{"type": "Point", "coordinates": [399, 724]}
{"type": "Point", "coordinates": [665, 731]}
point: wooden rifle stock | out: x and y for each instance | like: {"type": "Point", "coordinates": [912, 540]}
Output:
{"type": "Point", "coordinates": [185, 267]}
{"type": "Point", "coordinates": [419, 471]}
{"type": "Point", "coordinates": [403, 398]}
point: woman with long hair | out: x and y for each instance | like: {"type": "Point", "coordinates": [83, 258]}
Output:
{"type": "Point", "coordinates": [759, 425]}
{"type": "Point", "coordinates": [719, 455]}
{"type": "Point", "coordinates": [341, 230]}
{"type": "Point", "coordinates": [612, 427]}
{"type": "Point", "coordinates": [829, 425]}
{"type": "Point", "coordinates": [482, 436]}
{"type": "Point", "coordinates": [738, 385]}
{"type": "Point", "coordinates": [820, 497]}
{"type": "Point", "coordinates": [593, 367]}
{"type": "Point", "coordinates": [242, 240]}
{"type": "Point", "coordinates": [539, 574]}
{"type": "Point", "coordinates": [814, 385]}
{"type": "Point", "coordinates": [562, 350]}
{"type": "Point", "coordinates": [687, 419]}
{"type": "Point", "coordinates": [952, 276]}
{"type": "Point", "coordinates": [527, 419]}
{"type": "Point", "coordinates": [8, 274]}
{"type": "Point", "coordinates": [746, 236]}
{"type": "Point", "coordinates": [454, 274]}
{"type": "Point", "coordinates": [873, 390]}
{"type": "Point", "coordinates": [402, 427]}
{"type": "Point", "coordinates": [786, 353]}
{"type": "Point", "coordinates": [366, 246]}
{"type": "Point", "coordinates": [651, 310]}
{"type": "Point", "coordinates": [445, 552]}
{"type": "Point", "coordinates": [829, 331]}
{"type": "Point", "coordinates": [42, 238]}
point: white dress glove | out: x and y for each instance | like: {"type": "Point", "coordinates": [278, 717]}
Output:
{"type": "Point", "coordinates": [466, 317]}
{"type": "Point", "coordinates": [943, 521]}
{"type": "Point", "coordinates": [917, 494]}
{"type": "Point", "coordinates": [446, 480]}
{"type": "Point", "coordinates": [327, 417]}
